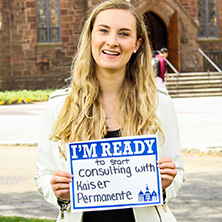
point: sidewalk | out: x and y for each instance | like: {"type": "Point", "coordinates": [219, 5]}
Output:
{"type": "Point", "coordinates": [18, 193]}
{"type": "Point", "coordinates": [20, 124]}
{"type": "Point", "coordinates": [200, 123]}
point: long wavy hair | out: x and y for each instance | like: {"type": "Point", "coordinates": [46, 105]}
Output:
{"type": "Point", "coordinates": [82, 116]}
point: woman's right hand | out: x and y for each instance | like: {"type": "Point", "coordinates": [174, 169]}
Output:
{"type": "Point", "coordinates": [60, 184]}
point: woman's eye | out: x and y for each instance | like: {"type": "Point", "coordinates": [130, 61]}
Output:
{"type": "Point", "coordinates": [124, 34]}
{"type": "Point", "coordinates": [103, 30]}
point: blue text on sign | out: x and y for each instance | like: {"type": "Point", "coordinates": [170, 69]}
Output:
{"type": "Point", "coordinates": [112, 148]}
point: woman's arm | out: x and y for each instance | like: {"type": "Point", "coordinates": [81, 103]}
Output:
{"type": "Point", "coordinates": [172, 170]}
{"type": "Point", "coordinates": [48, 161]}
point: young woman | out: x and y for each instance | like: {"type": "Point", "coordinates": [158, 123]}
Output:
{"type": "Point", "coordinates": [112, 93]}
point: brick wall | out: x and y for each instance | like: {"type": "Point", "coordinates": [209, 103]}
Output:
{"type": "Point", "coordinates": [190, 6]}
{"type": "Point", "coordinates": [5, 38]}
{"type": "Point", "coordinates": [27, 57]}
{"type": "Point", "coordinates": [220, 17]}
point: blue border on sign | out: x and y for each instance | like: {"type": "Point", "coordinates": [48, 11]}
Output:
{"type": "Point", "coordinates": [80, 154]}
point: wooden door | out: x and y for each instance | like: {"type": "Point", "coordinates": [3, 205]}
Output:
{"type": "Point", "coordinates": [174, 41]}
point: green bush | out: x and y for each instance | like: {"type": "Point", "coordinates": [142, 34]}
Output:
{"type": "Point", "coordinates": [24, 96]}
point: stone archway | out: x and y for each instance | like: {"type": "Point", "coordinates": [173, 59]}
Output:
{"type": "Point", "coordinates": [157, 31]}
{"type": "Point", "coordinates": [165, 19]}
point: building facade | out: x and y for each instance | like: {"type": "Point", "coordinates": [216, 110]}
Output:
{"type": "Point", "coordinates": [38, 38]}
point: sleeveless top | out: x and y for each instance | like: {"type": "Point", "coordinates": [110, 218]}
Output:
{"type": "Point", "coordinates": [119, 215]}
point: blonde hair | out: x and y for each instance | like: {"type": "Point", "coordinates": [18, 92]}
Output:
{"type": "Point", "coordinates": [82, 116]}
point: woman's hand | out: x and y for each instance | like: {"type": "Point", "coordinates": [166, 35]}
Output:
{"type": "Point", "coordinates": [60, 184]}
{"type": "Point", "coordinates": [167, 170]}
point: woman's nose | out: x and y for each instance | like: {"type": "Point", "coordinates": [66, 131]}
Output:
{"type": "Point", "coordinates": [112, 40]}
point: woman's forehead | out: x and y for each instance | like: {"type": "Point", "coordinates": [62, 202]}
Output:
{"type": "Point", "coordinates": [116, 17]}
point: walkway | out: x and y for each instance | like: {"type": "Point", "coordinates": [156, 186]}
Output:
{"type": "Point", "coordinates": [200, 122]}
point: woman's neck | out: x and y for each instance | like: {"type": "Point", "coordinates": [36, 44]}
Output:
{"type": "Point", "coordinates": [110, 83]}
{"type": "Point", "coordinates": [110, 86]}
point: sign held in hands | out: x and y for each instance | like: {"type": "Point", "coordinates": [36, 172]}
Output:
{"type": "Point", "coordinates": [114, 173]}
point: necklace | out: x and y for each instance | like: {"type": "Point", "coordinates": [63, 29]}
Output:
{"type": "Point", "coordinates": [108, 117]}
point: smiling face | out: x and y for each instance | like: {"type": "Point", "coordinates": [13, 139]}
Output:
{"type": "Point", "coordinates": [114, 39]}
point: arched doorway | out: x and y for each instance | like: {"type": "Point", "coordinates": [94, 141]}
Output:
{"type": "Point", "coordinates": [162, 36]}
{"type": "Point", "coordinates": [157, 31]}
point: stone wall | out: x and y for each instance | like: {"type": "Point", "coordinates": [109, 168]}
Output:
{"type": "Point", "coordinates": [24, 55]}
{"type": "Point", "coordinates": [5, 52]}
{"type": "Point", "coordinates": [190, 7]}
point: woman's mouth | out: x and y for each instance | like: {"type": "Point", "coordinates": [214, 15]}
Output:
{"type": "Point", "coordinates": [110, 53]}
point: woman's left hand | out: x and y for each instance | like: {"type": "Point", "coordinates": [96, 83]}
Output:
{"type": "Point", "coordinates": [167, 170]}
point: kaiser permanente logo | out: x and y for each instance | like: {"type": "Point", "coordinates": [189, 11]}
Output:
{"type": "Point", "coordinates": [147, 196]}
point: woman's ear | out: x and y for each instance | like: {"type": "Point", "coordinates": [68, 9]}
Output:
{"type": "Point", "coordinates": [138, 44]}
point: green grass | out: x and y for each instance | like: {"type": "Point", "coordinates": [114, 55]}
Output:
{"type": "Point", "coordinates": [20, 219]}
{"type": "Point", "coordinates": [24, 96]}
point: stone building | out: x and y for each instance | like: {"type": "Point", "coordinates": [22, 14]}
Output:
{"type": "Point", "coordinates": [38, 38]}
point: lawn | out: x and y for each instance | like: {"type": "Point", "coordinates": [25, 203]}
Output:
{"type": "Point", "coordinates": [20, 219]}
{"type": "Point", "coordinates": [24, 96]}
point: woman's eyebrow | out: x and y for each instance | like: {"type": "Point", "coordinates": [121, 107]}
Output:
{"type": "Point", "coordinates": [126, 29]}
{"type": "Point", "coordinates": [105, 26]}
{"type": "Point", "coordinates": [122, 29]}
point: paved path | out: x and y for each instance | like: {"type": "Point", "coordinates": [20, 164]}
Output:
{"type": "Point", "coordinates": [200, 122]}
{"type": "Point", "coordinates": [20, 124]}
{"type": "Point", "coordinates": [18, 193]}
{"type": "Point", "coordinates": [200, 199]}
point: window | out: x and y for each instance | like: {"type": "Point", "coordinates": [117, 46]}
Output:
{"type": "Point", "coordinates": [208, 19]}
{"type": "Point", "coordinates": [48, 20]}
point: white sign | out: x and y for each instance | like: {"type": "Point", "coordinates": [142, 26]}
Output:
{"type": "Point", "coordinates": [114, 173]}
